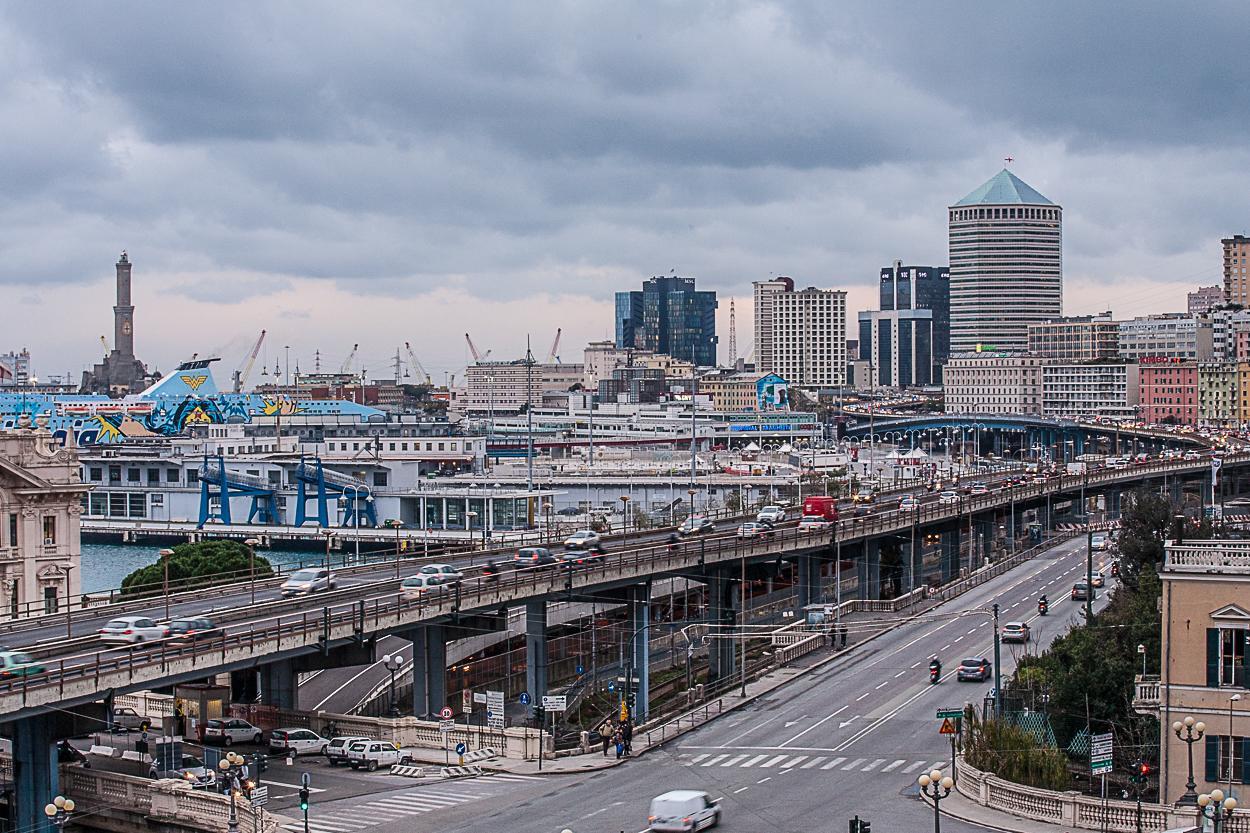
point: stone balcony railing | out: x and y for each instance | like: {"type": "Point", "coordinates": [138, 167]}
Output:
{"type": "Point", "coordinates": [1146, 694]}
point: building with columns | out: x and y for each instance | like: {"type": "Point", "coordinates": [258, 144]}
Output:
{"type": "Point", "coordinates": [41, 496]}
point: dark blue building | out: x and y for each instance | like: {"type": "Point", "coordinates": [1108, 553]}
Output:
{"type": "Point", "coordinates": [669, 316]}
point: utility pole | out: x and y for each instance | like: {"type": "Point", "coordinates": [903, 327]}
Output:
{"type": "Point", "coordinates": [1089, 572]}
{"type": "Point", "coordinates": [529, 417]}
{"type": "Point", "coordinates": [998, 675]}
{"type": "Point", "coordinates": [694, 391]}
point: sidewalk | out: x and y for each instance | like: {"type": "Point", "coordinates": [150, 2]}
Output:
{"type": "Point", "coordinates": [956, 806]}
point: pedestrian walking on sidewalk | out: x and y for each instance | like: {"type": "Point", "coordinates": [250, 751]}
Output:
{"type": "Point", "coordinates": [606, 735]}
{"type": "Point", "coordinates": [842, 634]}
{"type": "Point", "coordinates": [627, 737]}
{"type": "Point", "coordinates": [619, 740]}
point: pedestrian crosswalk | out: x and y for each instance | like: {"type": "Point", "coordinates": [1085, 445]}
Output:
{"type": "Point", "coordinates": [824, 762]}
{"type": "Point", "coordinates": [340, 817]}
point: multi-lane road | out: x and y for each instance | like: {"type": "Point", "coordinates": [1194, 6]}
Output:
{"type": "Point", "coordinates": [849, 738]}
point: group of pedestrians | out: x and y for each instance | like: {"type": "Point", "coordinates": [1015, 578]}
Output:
{"type": "Point", "coordinates": [620, 736]}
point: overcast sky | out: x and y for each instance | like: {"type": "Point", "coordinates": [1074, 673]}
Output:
{"type": "Point", "coordinates": [381, 173]}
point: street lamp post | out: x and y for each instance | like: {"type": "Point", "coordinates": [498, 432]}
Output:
{"type": "Point", "coordinates": [1141, 649]}
{"type": "Point", "coordinates": [1215, 807]}
{"type": "Point", "coordinates": [692, 493]}
{"type": "Point", "coordinates": [69, 602]}
{"type": "Point", "coordinates": [329, 534]}
{"type": "Point", "coordinates": [165, 554]}
{"type": "Point", "coordinates": [625, 521]}
{"type": "Point", "coordinates": [356, 490]}
{"type": "Point", "coordinates": [59, 811]}
{"type": "Point", "coordinates": [231, 767]}
{"type": "Point", "coordinates": [936, 786]}
{"type": "Point", "coordinates": [252, 544]}
{"type": "Point", "coordinates": [1193, 732]}
{"type": "Point", "coordinates": [393, 663]}
{"type": "Point", "coordinates": [396, 525]}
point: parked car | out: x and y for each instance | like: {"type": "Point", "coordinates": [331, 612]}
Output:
{"type": "Point", "coordinates": [18, 664]}
{"type": "Point", "coordinates": [192, 770]}
{"type": "Point", "coordinates": [414, 587]}
{"type": "Point", "coordinates": [126, 719]}
{"type": "Point", "coordinates": [535, 558]}
{"type": "Point", "coordinates": [948, 497]}
{"type": "Point", "coordinates": [771, 515]}
{"type": "Point", "coordinates": [297, 742]}
{"type": "Point", "coordinates": [583, 539]}
{"type": "Point", "coordinates": [229, 731]}
{"type": "Point", "coordinates": [679, 811]}
{"type": "Point", "coordinates": [309, 580]}
{"type": "Point", "coordinates": [336, 749]}
{"type": "Point", "coordinates": [976, 669]}
{"type": "Point", "coordinates": [443, 573]}
{"type": "Point", "coordinates": [754, 530]}
{"type": "Point", "coordinates": [696, 525]}
{"type": "Point", "coordinates": [132, 629]}
{"type": "Point", "coordinates": [190, 630]}
{"type": "Point", "coordinates": [371, 754]}
{"type": "Point", "coordinates": [1015, 632]}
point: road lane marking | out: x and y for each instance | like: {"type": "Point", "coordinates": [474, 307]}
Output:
{"type": "Point", "coordinates": [833, 763]}
{"type": "Point", "coordinates": [862, 696]}
{"type": "Point", "coordinates": [894, 765]}
{"type": "Point", "coordinates": [714, 760]}
{"type": "Point", "coordinates": [814, 725]}
{"type": "Point", "coordinates": [883, 685]}
{"type": "Point", "coordinates": [762, 780]}
{"type": "Point", "coordinates": [697, 758]}
{"type": "Point", "coordinates": [741, 789]}
{"type": "Point", "coordinates": [755, 760]}
{"type": "Point", "coordinates": [795, 760]}
{"type": "Point", "coordinates": [813, 762]}
{"type": "Point", "coordinates": [901, 673]}
{"type": "Point", "coordinates": [733, 761]}
{"type": "Point", "coordinates": [853, 764]}
{"type": "Point", "coordinates": [870, 767]}
{"type": "Point", "coordinates": [773, 762]}
{"type": "Point", "coordinates": [752, 729]}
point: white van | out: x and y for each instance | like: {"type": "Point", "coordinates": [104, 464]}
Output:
{"type": "Point", "coordinates": [683, 810]}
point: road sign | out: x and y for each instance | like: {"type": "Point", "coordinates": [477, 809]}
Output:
{"type": "Point", "coordinates": [461, 748]}
{"type": "Point", "coordinates": [524, 699]}
{"type": "Point", "coordinates": [494, 709]}
{"type": "Point", "coordinates": [466, 701]}
{"type": "Point", "coordinates": [953, 714]}
{"type": "Point", "coordinates": [446, 726]}
{"type": "Point", "coordinates": [260, 796]}
{"type": "Point", "coordinates": [948, 727]}
{"type": "Point", "coordinates": [445, 712]}
{"type": "Point", "coordinates": [555, 703]}
{"type": "Point", "coordinates": [1100, 754]}
{"type": "Point", "coordinates": [479, 697]}
{"type": "Point", "coordinates": [581, 669]}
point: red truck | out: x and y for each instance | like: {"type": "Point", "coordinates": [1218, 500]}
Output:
{"type": "Point", "coordinates": [821, 506]}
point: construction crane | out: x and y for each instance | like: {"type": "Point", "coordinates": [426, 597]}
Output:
{"type": "Point", "coordinates": [240, 375]}
{"type": "Point", "coordinates": [347, 363]}
{"type": "Point", "coordinates": [552, 356]}
{"type": "Point", "coordinates": [104, 343]}
{"type": "Point", "coordinates": [416, 365]}
{"type": "Point", "coordinates": [477, 357]}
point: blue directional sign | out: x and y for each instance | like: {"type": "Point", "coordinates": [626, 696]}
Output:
{"type": "Point", "coordinates": [581, 669]}
{"type": "Point", "coordinates": [611, 686]}
{"type": "Point", "coordinates": [461, 748]}
{"type": "Point", "coordinates": [524, 698]}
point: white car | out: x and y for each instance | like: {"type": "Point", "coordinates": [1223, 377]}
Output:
{"type": "Point", "coordinates": [310, 580]}
{"type": "Point", "coordinates": [771, 515]}
{"type": "Point", "coordinates": [336, 751]}
{"type": "Point", "coordinates": [948, 498]}
{"type": "Point", "coordinates": [909, 504]}
{"type": "Point", "coordinates": [297, 742]}
{"type": "Point", "coordinates": [754, 530]}
{"type": "Point", "coordinates": [132, 629]}
{"type": "Point", "coordinates": [443, 573]}
{"type": "Point", "coordinates": [583, 539]}
{"type": "Point", "coordinates": [1098, 541]}
{"type": "Point", "coordinates": [414, 587]}
{"type": "Point", "coordinates": [814, 522]}
{"type": "Point", "coordinates": [683, 810]}
{"type": "Point", "coordinates": [372, 754]}
{"type": "Point", "coordinates": [230, 730]}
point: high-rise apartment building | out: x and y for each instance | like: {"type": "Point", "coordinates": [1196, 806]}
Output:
{"type": "Point", "coordinates": [1204, 299]}
{"type": "Point", "coordinates": [809, 337]}
{"type": "Point", "coordinates": [668, 315]}
{"type": "Point", "coordinates": [764, 292]}
{"type": "Point", "coordinates": [1076, 338]}
{"type": "Point", "coordinates": [899, 347]}
{"type": "Point", "coordinates": [1236, 277]}
{"type": "Point", "coordinates": [1006, 265]}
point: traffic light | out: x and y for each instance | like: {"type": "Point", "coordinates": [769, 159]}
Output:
{"type": "Point", "coordinates": [539, 713]}
{"type": "Point", "coordinates": [303, 799]}
{"type": "Point", "coordinates": [858, 825]}
{"type": "Point", "coordinates": [1142, 774]}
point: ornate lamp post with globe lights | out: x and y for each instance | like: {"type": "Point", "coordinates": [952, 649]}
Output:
{"type": "Point", "coordinates": [59, 811]}
{"type": "Point", "coordinates": [1193, 732]}
{"type": "Point", "coordinates": [936, 786]}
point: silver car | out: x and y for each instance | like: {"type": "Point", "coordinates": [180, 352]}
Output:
{"type": "Point", "coordinates": [192, 770]}
{"type": "Point", "coordinates": [308, 580]}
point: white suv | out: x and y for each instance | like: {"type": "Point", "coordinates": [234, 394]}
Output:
{"type": "Point", "coordinates": [372, 754]}
{"type": "Point", "coordinates": [297, 742]}
{"type": "Point", "coordinates": [230, 730]}
{"type": "Point", "coordinates": [771, 515]}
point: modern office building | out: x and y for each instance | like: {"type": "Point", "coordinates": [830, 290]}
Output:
{"type": "Point", "coordinates": [898, 345]}
{"type": "Point", "coordinates": [921, 287]}
{"type": "Point", "coordinates": [1168, 336]}
{"type": "Point", "coordinates": [764, 293]}
{"type": "Point", "coordinates": [1076, 338]}
{"type": "Point", "coordinates": [1204, 299]}
{"type": "Point", "coordinates": [1236, 278]}
{"type": "Point", "coordinates": [1085, 390]}
{"type": "Point", "coordinates": [1169, 391]}
{"type": "Point", "coordinates": [668, 315]}
{"type": "Point", "coordinates": [994, 383]}
{"type": "Point", "coordinates": [1006, 265]}
{"type": "Point", "coordinates": [809, 337]}
{"type": "Point", "coordinates": [1205, 614]}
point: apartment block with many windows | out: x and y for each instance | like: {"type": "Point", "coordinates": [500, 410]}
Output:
{"type": "Point", "coordinates": [1236, 276]}
{"type": "Point", "coordinates": [994, 383]}
{"type": "Point", "coordinates": [1169, 391]}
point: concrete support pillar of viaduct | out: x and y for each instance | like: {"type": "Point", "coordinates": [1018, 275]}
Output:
{"type": "Point", "coordinates": [279, 684]}
{"type": "Point", "coordinates": [536, 649]}
{"type": "Point", "coordinates": [987, 540]}
{"type": "Point", "coordinates": [722, 609]}
{"type": "Point", "coordinates": [950, 554]}
{"type": "Point", "coordinates": [35, 781]}
{"type": "Point", "coordinates": [1113, 504]}
{"type": "Point", "coordinates": [807, 582]}
{"type": "Point", "coordinates": [640, 650]}
{"type": "Point", "coordinates": [870, 570]}
{"type": "Point", "coordinates": [429, 670]}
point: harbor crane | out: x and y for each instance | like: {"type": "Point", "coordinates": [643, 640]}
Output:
{"type": "Point", "coordinates": [240, 375]}
{"type": "Point", "coordinates": [477, 357]}
{"type": "Point", "coordinates": [347, 363]}
{"type": "Point", "coordinates": [416, 365]}
{"type": "Point", "coordinates": [553, 356]}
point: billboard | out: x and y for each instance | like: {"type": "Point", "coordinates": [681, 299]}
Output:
{"type": "Point", "coordinates": [772, 393]}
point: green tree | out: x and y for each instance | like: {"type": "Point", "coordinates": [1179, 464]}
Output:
{"type": "Point", "coordinates": [202, 564]}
